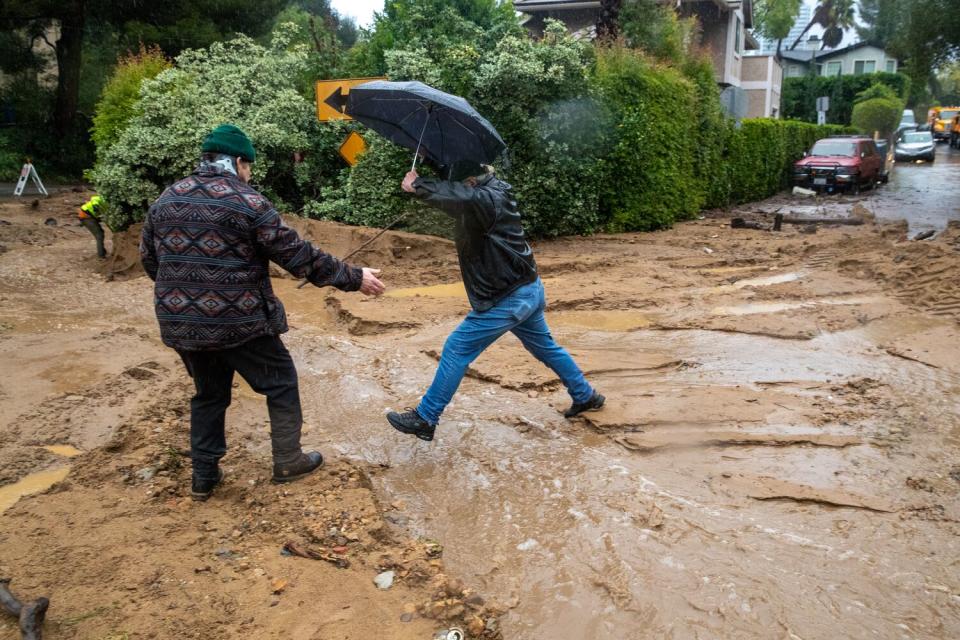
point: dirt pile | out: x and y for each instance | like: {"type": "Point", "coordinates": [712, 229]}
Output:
{"type": "Point", "coordinates": [309, 549]}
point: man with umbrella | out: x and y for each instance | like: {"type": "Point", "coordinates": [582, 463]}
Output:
{"type": "Point", "coordinates": [503, 287]}
{"type": "Point", "coordinates": [497, 265]}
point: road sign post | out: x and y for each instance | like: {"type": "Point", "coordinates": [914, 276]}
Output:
{"type": "Point", "coordinates": [332, 105]}
{"type": "Point", "coordinates": [823, 105]}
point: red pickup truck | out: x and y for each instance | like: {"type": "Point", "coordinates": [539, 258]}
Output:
{"type": "Point", "coordinates": [846, 163]}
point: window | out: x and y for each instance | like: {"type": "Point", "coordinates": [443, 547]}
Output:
{"type": "Point", "coordinates": [738, 36]}
{"type": "Point", "coordinates": [891, 66]}
{"type": "Point", "coordinates": [793, 71]}
{"type": "Point", "coordinates": [834, 68]}
{"type": "Point", "coordinates": [864, 66]}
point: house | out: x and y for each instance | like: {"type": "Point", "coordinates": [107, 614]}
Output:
{"type": "Point", "coordinates": [724, 25]}
{"type": "Point", "coordinates": [762, 82]}
{"type": "Point", "coordinates": [853, 60]}
{"type": "Point", "coordinates": [579, 16]}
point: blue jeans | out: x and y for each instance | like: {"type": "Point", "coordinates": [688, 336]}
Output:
{"type": "Point", "coordinates": [520, 312]}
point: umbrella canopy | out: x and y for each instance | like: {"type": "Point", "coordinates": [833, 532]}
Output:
{"type": "Point", "coordinates": [443, 127]}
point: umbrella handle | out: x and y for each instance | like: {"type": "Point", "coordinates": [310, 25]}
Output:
{"type": "Point", "coordinates": [420, 141]}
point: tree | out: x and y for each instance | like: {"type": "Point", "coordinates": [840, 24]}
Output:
{"type": "Point", "coordinates": [434, 25]}
{"type": "Point", "coordinates": [173, 24]}
{"type": "Point", "coordinates": [608, 21]}
{"type": "Point", "coordinates": [923, 34]}
{"type": "Point", "coordinates": [773, 19]}
{"type": "Point", "coordinates": [835, 16]}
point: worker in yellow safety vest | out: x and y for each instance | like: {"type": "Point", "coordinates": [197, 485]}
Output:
{"type": "Point", "coordinates": [89, 214]}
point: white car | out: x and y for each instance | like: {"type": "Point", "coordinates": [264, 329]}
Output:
{"type": "Point", "coordinates": [916, 145]}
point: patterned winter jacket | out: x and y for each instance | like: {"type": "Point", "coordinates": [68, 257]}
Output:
{"type": "Point", "coordinates": [206, 243]}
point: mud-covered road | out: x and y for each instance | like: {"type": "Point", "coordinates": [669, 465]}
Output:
{"type": "Point", "coordinates": [778, 457]}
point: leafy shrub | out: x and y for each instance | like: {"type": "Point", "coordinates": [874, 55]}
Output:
{"type": "Point", "coordinates": [237, 81]}
{"type": "Point", "coordinates": [877, 109]}
{"type": "Point", "coordinates": [119, 99]}
{"type": "Point", "coordinates": [11, 160]}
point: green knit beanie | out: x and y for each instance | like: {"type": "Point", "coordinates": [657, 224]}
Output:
{"type": "Point", "coordinates": [230, 140]}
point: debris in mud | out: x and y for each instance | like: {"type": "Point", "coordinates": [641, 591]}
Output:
{"type": "Point", "coordinates": [768, 488]}
{"type": "Point", "coordinates": [925, 235]}
{"type": "Point", "coordinates": [30, 614]}
{"type": "Point", "coordinates": [384, 580]}
{"type": "Point", "coordinates": [296, 549]}
{"type": "Point", "coordinates": [657, 440]}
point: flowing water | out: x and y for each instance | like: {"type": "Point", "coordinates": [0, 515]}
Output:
{"type": "Point", "coordinates": [589, 540]}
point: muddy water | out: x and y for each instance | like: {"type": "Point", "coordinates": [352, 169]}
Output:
{"type": "Point", "coordinates": [33, 483]}
{"type": "Point", "coordinates": [65, 450]}
{"type": "Point", "coordinates": [597, 542]}
{"type": "Point", "coordinates": [613, 320]}
{"type": "Point", "coordinates": [923, 194]}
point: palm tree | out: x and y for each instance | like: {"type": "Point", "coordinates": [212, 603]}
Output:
{"type": "Point", "coordinates": [835, 16]}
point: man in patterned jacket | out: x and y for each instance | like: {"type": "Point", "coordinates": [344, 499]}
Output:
{"type": "Point", "coordinates": [206, 243]}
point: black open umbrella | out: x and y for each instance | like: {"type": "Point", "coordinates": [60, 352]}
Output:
{"type": "Point", "coordinates": [443, 127]}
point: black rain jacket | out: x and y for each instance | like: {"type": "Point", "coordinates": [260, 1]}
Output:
{"type": "Point", "coordinates": [495, 258]}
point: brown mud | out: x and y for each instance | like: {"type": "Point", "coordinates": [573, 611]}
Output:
{"type": "Point", "coordinates": [778, 456]}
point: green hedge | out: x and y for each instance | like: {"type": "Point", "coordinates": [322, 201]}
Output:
{"type": "Point", "coordinates": [650, 179]}
{"type": "Point", "coordinates": [761, 153]}
{"type": "Point", "coordinates": [800, 94]}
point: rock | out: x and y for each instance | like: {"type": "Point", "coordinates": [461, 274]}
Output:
{"type": "Point", "coordinates": [50, 222]}
{"type": "Point", "coordinates": [527, 545]}
{"type": "Point", "coordinates": [807, 193]}
{"type": "Point", "coordinates": [147, 473]}
{"type": "Point", "coordinates": [406, 617]}
{"type": "Point", "coordinates": [475, 626]}
{"type": "Point", "coordinates": [278, 586]}
{"type": "Point", "coordinates": [533, 393]}
{"type": "Point", "coordinates": [259, 572]}
{"type": "Point", "coordinates": [384, 580]}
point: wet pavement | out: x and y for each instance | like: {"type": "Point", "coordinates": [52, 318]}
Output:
{"type": "Point", "coordinates": [927, 195]}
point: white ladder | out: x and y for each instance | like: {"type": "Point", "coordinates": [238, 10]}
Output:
{"type": "Point", "coordinates": [29, 171]}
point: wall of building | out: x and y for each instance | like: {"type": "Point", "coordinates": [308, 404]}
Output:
{"type": "Point", "coordinates": [763, 82]}
{"type": "Point", "coordinates": [848, 61]}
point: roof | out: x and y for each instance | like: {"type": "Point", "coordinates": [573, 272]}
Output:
{"type": "Point", "coordinates": [804, 55]}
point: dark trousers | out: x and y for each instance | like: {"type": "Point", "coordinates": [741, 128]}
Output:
{"type": "Point", "coordinates": [267, 367]}
{"type": "Point", "coordinates": [94, 227]}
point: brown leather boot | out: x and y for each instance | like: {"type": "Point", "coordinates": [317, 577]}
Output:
{"type": "Point", "coordinates": [306, 464]}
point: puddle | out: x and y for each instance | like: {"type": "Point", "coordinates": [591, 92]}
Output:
{"type": "Point", "coordinates": [33, 483]}
{"type": "Point", "coordinates": [776, 307]}
{"type": "Point", "coordinates": [453, 290]}
{"type": "Point", "coordinates": [65, 450]}
{"type": "Point", "coordinates": [611, 320]}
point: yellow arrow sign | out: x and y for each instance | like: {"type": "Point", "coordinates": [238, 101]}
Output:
{"type": "Point", "coordinates": [352, 147]}
{"type": "Point", "coordinates": [332, 97]}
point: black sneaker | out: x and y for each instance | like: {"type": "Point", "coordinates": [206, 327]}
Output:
{"type": "Point", "coordinates": [411, 422]}
{"type": "Point", "coordinates": [306, 464]}
{"type": "Point", "coordinates": [202, 488]}
{"type": "Point", "coordinates": [595, 402]}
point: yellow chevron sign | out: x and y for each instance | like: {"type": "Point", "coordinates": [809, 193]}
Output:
{"type": "Point", "coordinates": [332, 97]}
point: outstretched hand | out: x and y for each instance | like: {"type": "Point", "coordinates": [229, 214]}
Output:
{"type": "Point", "coordinates": [407, 184]}
{"type": "Point", "coordinates": [371, 284]}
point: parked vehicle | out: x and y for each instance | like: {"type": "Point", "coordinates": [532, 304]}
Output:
{"type": "Point", "coordinates": [955, 132]}
{"type": "Point", "coordinates": [839, 163]}
{"type": "Point", "coordinates": [942, 122]}
{"type": "Point", "coordinates": [908, 117]}
{"type": "Point", "coordinates": [916, 145]}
